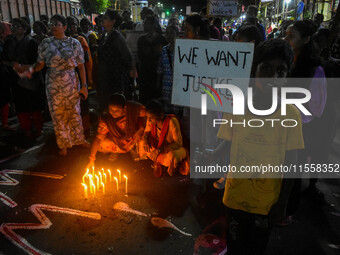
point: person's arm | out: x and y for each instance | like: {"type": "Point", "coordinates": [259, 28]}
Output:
{"type": "Point", "coordinates": [83, 90]}
{"type": "Point", "coordinates": [94, 149]}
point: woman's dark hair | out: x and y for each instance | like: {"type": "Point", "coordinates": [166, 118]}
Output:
{"type": "Point", "coordinates": [250, 32]}
{"type": "Point", "coordinates": [114, 15]}
{"type": "Point", "coordinates": [174, 27]}
{"type": "Point", "coordinates": [85, 21]}
{"type": "Point", "coordinates": [41, 25]}
{"type": "Point", "coordinates": [60, 18]}
{"type": "Point", "coordinates": [22, 23]}
{"type": "Point", "coordinates": [44, 17]}
{"type": "Point", "coordinates": [98, 18]}
{"type": "Point", "coordinates": [309, 57]}
{"type": "Point", "coordinates": [117, 99]}
{"type": "Point", "coordinates": [196, 21]}
{"type": "Point", "coordinates": [153, 19]}
{"type": "Point", "coordinates": [272, 49]}
{"type": "Point", "coordinates": [154, 107]}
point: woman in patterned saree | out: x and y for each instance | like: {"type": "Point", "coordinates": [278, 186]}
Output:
{"type": "Point", "coordinates": [61, 55]}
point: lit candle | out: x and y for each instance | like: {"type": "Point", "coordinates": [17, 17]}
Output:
{"type": "Point", "coordinates": [103, 171]}
{"type": "Point", "coordinates": [85, 190]}
{"type": "Point", "coordinates": [120, 175]}
{"type": "Point", "coordinates": [93, 188]}
{"type": "Point", "coordinates": [97, 181]}
{"type": "Point", "coordinates": [90, 178]}
{"type": "Point", "coordinates": [108, 170]}
{"type": "Point", "coordinates": [104, 177]}
{"type": "Point", "coordinates": [116, 182]}
{"type": "Point", "coordinates": [103, 188]}
{"type": "Point", "coordinates": [87, 172]}
{"type": "Point", "coordinates": [126, 184]}
{"type": "Point", "coordinates": [91, 191]}
{"type": "Point", "coordinates": [100, 176]}
{"type": "Point", "coordinates": [93, 170]}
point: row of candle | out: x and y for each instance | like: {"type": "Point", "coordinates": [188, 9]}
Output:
{"type": "Point", "coordinates": [100, 179]}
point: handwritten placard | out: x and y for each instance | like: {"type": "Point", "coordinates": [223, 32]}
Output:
{"type": "Point", "coordinates": [222, 8]}
{"type": "Point", "coordinates": [200, 64]}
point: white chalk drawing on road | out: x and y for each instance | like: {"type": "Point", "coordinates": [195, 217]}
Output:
{"type": "Point", "coordinates": [7, 180]}
{"type": "Point", "coordinates": [121, 206]}
{"type": "Point", "coordinates": [156, 221]}
{"type": "Point", "coordinates": [162, 223]}
{"type": "Point", "coordinates": [8, 228]}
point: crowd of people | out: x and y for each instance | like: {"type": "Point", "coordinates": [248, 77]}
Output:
{"type": "Point", "coordinates": [65, 57]}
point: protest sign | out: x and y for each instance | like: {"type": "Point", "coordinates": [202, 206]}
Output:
{"type": "Point", "coordinates": [200, 64]}
{"type": "Point", "coordinates": [222, 8]}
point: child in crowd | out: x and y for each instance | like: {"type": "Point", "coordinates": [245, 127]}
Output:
{"type": "Point", "coordinates": [255, 201]}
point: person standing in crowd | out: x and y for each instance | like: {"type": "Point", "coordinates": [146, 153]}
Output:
{"type": "Point", "coordinates": [120, 128]}
{"type": "Point", "coordinates": [307, 65]}
{"type": "Point", "coordinates": [196, 28]}
{"type": "Point", "coordinates": [127, 23]}
{"type": "Point", "coordinates": [20, 50]}
{"type": "Point", "coordinates": [248, 33]}
{"type": "Point", "coordinates": [230, 34]}
{"type": "Point", "coordinates": [162, 141]}
{"type": "Point", "coordinates": [62, 55]}
{"type": "Point", "coordinates": [149, 48]}
{"type": "Point", "coordinates": [92, 39]}
{"type": "Point", "coordinates": [86, 28]}
{"type": "Point", "coordinates": [165, 67]}
{"type": "Point", "coordinates": [73, 31]}
{"type": "Point", "coordinates": [5, 93]}
{"type": "Point", "coordinates": [40, 31]}
{"type": "Point", "coordinates": [318, 19]}
{"type": "Point", "coordinates": [251, 18]}
{"type": "Point", "coordinates": [143, 14]}
{"type": "Point", "coordinates": [114, 61]}
{"type": "Point", "coordinates": [98, 28]}
{"type": "Point", "coordinates": [255, 202]}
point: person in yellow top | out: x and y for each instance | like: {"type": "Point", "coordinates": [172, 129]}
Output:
{"type": "Point", "coordinates": [254, 200]}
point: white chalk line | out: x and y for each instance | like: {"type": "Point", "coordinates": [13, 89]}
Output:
{"type": "Point", "coordinates": [7, 228]}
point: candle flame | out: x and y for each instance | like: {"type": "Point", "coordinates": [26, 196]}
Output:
{"type": "Point", "coordinates": [116, 182]}
{"type": "Point", "coordinates": [85, 189]}
{"type": "Point", "coordinates": [125, 176]}
{"type": "Point", "coordinates": [97, 180]}
{"type": "Point", "coordinates": [108, 170]}
{"type": "Point", "coordinates": [103, 188]}
{"type": "Point", "coordinates": [87, 171]}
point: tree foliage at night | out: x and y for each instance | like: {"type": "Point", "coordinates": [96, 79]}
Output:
{"type": "Point", "coordinates": [94, 6]}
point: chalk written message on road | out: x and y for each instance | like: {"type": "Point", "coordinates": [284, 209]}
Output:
{"type": "Point", "coordinates": [200, 64]}
{"type": "Point", "coordinates": [222, 8]}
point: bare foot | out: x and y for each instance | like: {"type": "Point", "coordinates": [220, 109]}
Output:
{"type": "Point", "coordinates": [63, 151]}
